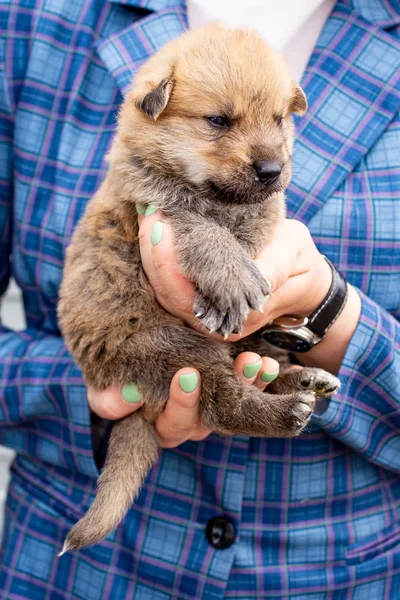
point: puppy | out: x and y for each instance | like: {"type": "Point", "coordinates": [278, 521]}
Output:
{"type": "Point", "coordinates": [206, 135]}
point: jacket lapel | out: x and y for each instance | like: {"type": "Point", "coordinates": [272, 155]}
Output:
{"type": "Point", "coordinates": [124, 52]}
{"type": "Point", "coordinates": [384, 13]}
{"type": "Point", "coordinates": [353, 87]}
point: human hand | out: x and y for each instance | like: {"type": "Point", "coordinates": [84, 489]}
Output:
{"type": "Point", "coordinates": [299, 275]}
{"type": "Point", "coordinates": [180, 420]}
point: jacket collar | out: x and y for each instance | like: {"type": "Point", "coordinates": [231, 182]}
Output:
{"type": "Point", "coordinates": [352, 83]}
{"type": "Point", "coordinates": [353, 86]}
{"type": "Point", "coordinates": [153, 5]}
{"type": "Point", "coordinates": [385, 14]}
{"type": "Point", "coordinates": [124, 52]}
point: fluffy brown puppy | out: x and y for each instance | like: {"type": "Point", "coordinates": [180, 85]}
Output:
{"type": "Point", "coordinates": [206, 135]}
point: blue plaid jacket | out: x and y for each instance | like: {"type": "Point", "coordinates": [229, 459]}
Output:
{"type": "Point", "coordinates": [317, 517]}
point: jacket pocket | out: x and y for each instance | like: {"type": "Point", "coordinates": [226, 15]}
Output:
{"type": "Point", "coordinates": [374, 545]}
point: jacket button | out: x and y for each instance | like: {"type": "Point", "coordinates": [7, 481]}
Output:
{"type": "Point", "coordinates": [220, 532]}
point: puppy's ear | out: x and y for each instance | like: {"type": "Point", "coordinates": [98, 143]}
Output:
{"type": "Point", "coordinates": [298, 101]}
{"type": "Point", "coordinates": [154, 101]}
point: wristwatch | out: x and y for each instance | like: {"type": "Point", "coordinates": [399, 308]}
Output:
{"type": "Point", "coordinates": [300, 334]}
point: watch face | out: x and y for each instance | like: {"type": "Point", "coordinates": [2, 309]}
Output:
{"type": "Point", "coordinates": [286, 340]}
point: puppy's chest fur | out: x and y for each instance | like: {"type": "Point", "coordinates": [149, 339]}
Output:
{"type": "Point", "coordinates": [249, 225]}
{"type": "Point", "coordinates": [252, 224]}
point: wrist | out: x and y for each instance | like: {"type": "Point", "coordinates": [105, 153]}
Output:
{"type": "Point", "coordinates": [329, 353]}
{"type": "Point", "coordinates": [307, 327]}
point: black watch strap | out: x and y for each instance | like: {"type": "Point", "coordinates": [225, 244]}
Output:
{"type": "Point", "coordinates": [328, 311]}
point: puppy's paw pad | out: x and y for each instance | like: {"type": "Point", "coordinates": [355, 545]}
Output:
{"type": "Point", "coordinates": [320, 381]}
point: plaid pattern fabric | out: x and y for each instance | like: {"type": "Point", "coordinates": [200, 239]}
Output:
{"type": "Point", "coordinates": [318, 516]}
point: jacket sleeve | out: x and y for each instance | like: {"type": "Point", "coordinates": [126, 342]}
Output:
{"type": "Point", "coordinates": [44, 412]}
{"type": "Point", "coordinates": [43, 407]}
{"type": "Point", "coordinates": [365, 414]}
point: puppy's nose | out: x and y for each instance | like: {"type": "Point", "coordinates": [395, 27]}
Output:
{"type": "Point", "coordinates": [267, 171]}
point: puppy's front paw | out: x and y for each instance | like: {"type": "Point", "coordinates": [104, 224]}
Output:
{"type": "Point", "coordinates": [215, 318]}
{"type": "Point", "coordinates": [226, 308]}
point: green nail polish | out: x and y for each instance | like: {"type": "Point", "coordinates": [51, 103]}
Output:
{"type": "Point", "coordinates": [266, 298]}
{"type": "Point", "coordinates": [130, 393]}
{"type": "Point", "coordinates": [268, 377]}
{"type": "Point", "coordinates": [189, 382]}
{"type": "Point", "coordinates": [140, 209]}
{"type": "Point", "coordinates": [150, 210]}
{"type": "Point", "coordinates": [252, 369]}
{"type": "Point", "coordinates": [157, 232]}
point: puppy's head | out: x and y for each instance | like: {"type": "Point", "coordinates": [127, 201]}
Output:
{"type": "Point", "coordinates": [214, 108]}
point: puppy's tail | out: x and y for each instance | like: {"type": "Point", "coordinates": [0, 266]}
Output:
{"type": "Point", "coordinates": [132, 450]}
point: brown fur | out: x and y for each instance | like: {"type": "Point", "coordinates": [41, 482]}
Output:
{"type": "Point", "coordinates": [167, 153]}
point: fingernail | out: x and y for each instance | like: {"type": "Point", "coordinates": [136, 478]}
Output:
{"type": "Point", "coordinates": [252, 369]}
{"type": "Point", "coordinates": [150, 210]}
{"type": "Point", "coordinates": [157, 232]}
{"type": "Point", "coordinates": [268, 377]}
{"type": "Point", "coordinates": [140, 209]}
{"type": "Point", "coordinates": [130, 393]}
{"type": "Point", "coordinates": [266, 298]}
{"type": "Point", "coordinates": [188, 382]}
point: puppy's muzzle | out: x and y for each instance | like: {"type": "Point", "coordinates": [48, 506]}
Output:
{"type": "Point", "coordinates": [267, 171]}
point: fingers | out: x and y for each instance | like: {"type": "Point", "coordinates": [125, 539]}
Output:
{"type": "Point", "coordinates": [114, 403]}
{"type": "Point", "coordinates": [267, 374]}
{"type": "Point", "coordinates": [180, 420]}
{"type": "Point", "coordinates": [253, 369]}
{"type": "Point", "coordinates": [160, 263]}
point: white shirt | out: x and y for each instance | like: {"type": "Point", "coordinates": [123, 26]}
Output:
{"type": "Point", "coordinates": [291, 26]}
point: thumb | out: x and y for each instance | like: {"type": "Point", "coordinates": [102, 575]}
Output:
{"type": "Point", "coordinates": [282, 257]}
{"type": "Point", "coordinates": [182, 411]}
{"type": "Point", "coordinates": [114, 403]}
{"type": "Point", "coordinates": [160, 262]}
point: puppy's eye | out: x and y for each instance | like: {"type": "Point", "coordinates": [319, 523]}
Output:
{"type": "Point", "coordinates": [218, 121]}
{"type": "Point", "coordinates": [279, 120]}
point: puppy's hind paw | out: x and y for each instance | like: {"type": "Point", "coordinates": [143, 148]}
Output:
{"type": "Point", "coordinates": [321, 382]}
{"type": "Point", "coordinates": [302, 411]}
